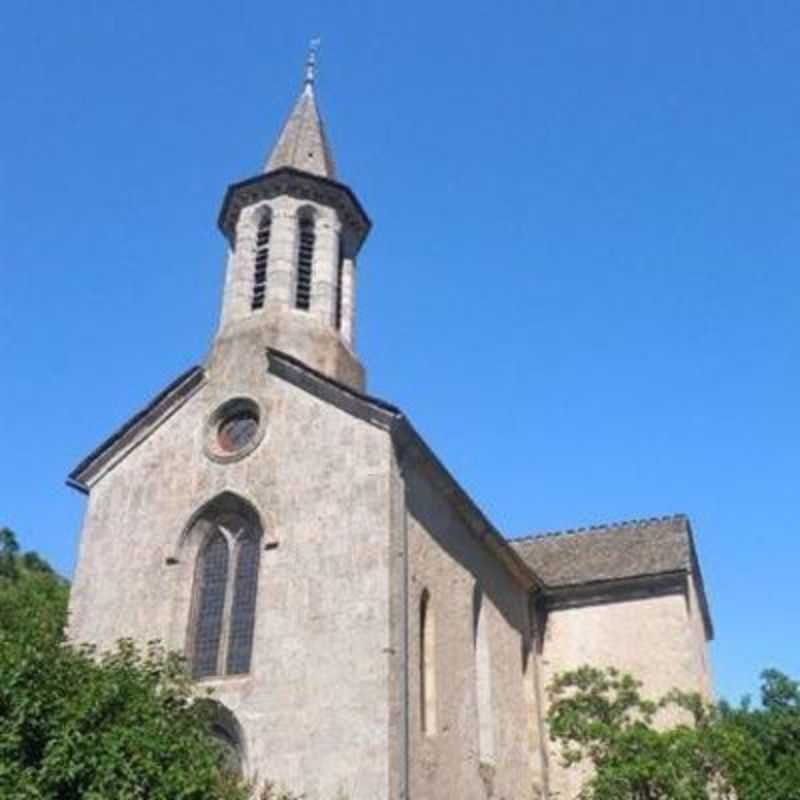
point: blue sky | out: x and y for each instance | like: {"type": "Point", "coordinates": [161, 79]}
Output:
{"type": "Point", "coordinates": [581, 284]}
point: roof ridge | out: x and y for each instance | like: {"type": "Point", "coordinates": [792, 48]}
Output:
{"type": "Point", "coordinates": [586, 530]}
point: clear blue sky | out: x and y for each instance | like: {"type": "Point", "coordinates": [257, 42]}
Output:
{"type": "Point", "coordinates": [582, 281]}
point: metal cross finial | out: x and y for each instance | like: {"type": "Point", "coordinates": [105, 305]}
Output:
{"type": "Point", "coordinates": [311, 61]}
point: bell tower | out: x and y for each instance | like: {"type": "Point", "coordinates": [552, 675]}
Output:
{"type": "Point", "coordinates": [294, 233]}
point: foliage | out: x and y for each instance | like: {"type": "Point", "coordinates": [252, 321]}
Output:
{"type": "Point", "coordinates": [677, 747]}
{"type": "Point", "coordinates": [766, 764]}
{"type": "Point", "coordinates": [74, 724]}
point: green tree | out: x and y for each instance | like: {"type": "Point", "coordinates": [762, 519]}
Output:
{"type": "Point", "coordinates": [763, 757]}
{"type": "Point", "coordinates": [600, 718]}
{"type": "Point", "coordinates": [76, 726]}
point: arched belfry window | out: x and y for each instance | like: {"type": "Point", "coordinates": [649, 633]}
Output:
{"type": "Point", "coordinates": [260, 261]}
{"type": "Point", "coordinates": [306, 239]}
{"type": "Point", "coordinates": [226, 587]}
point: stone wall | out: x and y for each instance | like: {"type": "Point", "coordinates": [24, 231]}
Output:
{"type": "Point", "coordinates": [314, 708]}
{"type": "Point", "coordinates": [656, 639]}
{"type": "Point", "coordinates": [455, 569]}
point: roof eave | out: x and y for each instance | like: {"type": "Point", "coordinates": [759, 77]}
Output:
{"type": "Point", "coordinates": [251, 190]}
{"type": "Point", "coordinates": [407, 439]}
{"type": "Point", "coordinates": [605, 589]}
{"type": "Point", "coordinates": [136, 428]}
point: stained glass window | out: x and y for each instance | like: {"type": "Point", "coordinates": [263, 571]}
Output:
{"type": "Point", "coordinates": [213, 576]}
{"type": "Point", "coordinates": [226, 588]}
{"type": "Point", "coordinates": [243, 610]}
{"type": "Point", "coordinates": [237, 430]}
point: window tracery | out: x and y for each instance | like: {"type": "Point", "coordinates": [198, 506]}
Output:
{"type": "Point", "coordinates": [226, 588]}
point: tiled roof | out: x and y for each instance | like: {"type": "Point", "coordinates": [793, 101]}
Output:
{"type": "Point", "coordinates": [609, 552]}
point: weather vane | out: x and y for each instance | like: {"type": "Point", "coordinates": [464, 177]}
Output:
{"type": "Point", "coordinates": [311, 61]}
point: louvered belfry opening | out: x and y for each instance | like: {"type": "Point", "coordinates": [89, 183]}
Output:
{"type": "Point", "coordinates": [305, 259]}
{"type": "Point", "coordinates": [226, 588]}
{"type": "Point", "coordinates": [339, 272]}
{"type": "Point", "coordinates": [260, 262]}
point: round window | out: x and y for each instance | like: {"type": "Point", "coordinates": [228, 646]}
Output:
{"type": "Point", "coordinates": [237, 430]}
{"type": "Point", "coordinates": [234, 430]}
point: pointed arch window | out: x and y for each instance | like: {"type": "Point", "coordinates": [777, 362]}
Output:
{"type": "Point", "coordinates": [213, 577]}
{"type": "Point", "coordinates": [260, 262]}
{"type": "Point", "coordinates": [243, 611]}
{"type": "Point", "coordinates": [226, 733]}
{"type": "Point", "coordinates": [427, 664]}
{"type": "Point", "coordinates": [226, 587]}
{"type": "Point", "coordinates": [305, 260]}
{"type": "Point", "coordinates": [483, 679]}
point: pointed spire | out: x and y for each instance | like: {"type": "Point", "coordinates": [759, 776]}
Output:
{"type": "Point", "coordinates": [302, 143]}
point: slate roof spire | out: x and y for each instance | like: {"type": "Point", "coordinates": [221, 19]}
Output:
{"type": "Point", "coordinates": [302, 143]}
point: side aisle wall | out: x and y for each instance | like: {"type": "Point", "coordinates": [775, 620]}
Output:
{"type": "Point", "coordinates": [471, 688]}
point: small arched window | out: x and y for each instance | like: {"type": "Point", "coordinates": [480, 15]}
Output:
{"type": "Point", "coordinates": [305, 260]}
{"type": "Point", "coordinates": [226, 733]}
{"type": "Point", "coordinates": [225, 593]}
{"type": "Point", "coordinates": [231, 751]}
{"type": "Point", "coordinates": [427, 665]}
{"type": "Point", "coordinates": [260, 262]}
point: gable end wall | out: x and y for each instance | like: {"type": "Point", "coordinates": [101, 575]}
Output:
{"type": "Point", "coordinates": [314, 708]}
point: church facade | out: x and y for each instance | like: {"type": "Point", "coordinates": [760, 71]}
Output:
{"type": "Point", "coordinates": [366, 630]}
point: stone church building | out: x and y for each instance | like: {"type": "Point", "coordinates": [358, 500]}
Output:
{"type": "Point", "coordinates": [366, 630]}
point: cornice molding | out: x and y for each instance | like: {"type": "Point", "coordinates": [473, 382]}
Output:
{"type": "Point", "coordinates": [615, 590]}
{"type": "Point", "coordinates": [303, 186]}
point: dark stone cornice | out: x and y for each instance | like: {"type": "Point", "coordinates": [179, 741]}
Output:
{"type": "Point", "coordinates": [299, 184]}
{"type": "Point", "coordinates": [616, 590]}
